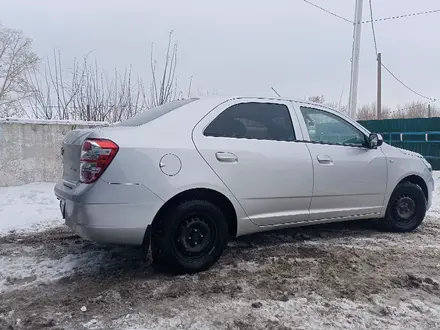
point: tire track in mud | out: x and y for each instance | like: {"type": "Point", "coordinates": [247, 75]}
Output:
{"type": "Point", "coordinates": [56, 273]}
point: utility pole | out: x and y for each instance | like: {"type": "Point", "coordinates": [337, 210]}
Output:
{"type": "Point", "coordinates": [357, 25]}
{"type": "Point", "coordinates": [429, 110]}
{"type": "Point", "coordinates": [379, 86]}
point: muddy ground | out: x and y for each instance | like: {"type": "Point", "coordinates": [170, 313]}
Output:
{"type": "Point", "coordinates": [335, 277]}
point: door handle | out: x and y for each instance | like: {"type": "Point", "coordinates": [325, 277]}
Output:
{"type": "Point", "coordinates": [324, 159]}
{"type": "Point", "coordinates": [226, 157]}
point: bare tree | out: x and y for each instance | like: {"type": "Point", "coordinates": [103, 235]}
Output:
{"type": "Point", "coordinates": [16, 59]}
{"type": "Point", "coordinates": [369, 112]}
{"type": "Point", "coordinates": [316, 99]}
{"type": "Point", "coordinates": [85, 92]}
{"type": "Point", "coordinates": [416, 109]}
{"type": "Point", "coordinates": [334, 105]}
{"type": "Point", "coordinates": [337, 106]}
{"type": "Point", "coordinates": [53, 90]}
{"type": "Point", "coordinates": [163, 88]}
{"type": "Point", "coordinates": [435, 111]}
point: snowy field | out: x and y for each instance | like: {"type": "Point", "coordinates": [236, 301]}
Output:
{"type": "Point", "coordinates": [340, 276]}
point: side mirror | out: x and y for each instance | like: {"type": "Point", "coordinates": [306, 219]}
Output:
{"type": "Point", "coordinates": [375, 140]}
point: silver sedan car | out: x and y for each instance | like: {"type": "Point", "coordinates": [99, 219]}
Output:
{"type": "Point", "coordinates": [187, 176]}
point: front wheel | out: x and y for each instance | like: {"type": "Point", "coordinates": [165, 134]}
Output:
{"type": "Point", "coordinates": [406, 208]}
{"type": "Point", "coordinates": [190, 237]}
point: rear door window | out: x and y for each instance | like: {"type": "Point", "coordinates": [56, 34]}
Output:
{"type": "Point", "coordinates": [253, 120]}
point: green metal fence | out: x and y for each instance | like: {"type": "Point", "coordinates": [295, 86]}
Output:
{"type": "Point", "coordinates": [421, 135]}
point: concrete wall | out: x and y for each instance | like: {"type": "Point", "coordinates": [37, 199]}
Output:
{"type": "Point", "coordinates": [30, 149]}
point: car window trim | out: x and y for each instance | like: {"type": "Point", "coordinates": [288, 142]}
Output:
{"type": "Point", "coordinates": [253, 139]}
{"type": "Point", "coordinates": [339, 144]}
{"type": "Point", "coordinates": [364, 145]}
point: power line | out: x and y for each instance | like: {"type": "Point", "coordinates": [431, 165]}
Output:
{"type": "Point", "coordinates": [372, 27]}
{"type": "Point", "coordinates": [372, 20]}
{"type": "Point", "coordinates": [377, 19]}
{"type": "Point", "coordinates": [328, 12]}
{"type": "Point", "coordinates": [406, 86]}
{"type": "Point", "coordinates": [402, 16]}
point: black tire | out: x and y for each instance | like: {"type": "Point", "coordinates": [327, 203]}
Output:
{"type": "Point", "coordinates": [190, 237]}
{"type": "Point", "coordinates": [406, 208]}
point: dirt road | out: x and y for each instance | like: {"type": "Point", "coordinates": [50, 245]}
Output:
{"type": "Point", "coordinates": [333, 277]}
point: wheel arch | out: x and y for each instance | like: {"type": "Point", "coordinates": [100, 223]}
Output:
{"type": "Point", "coordinates": [208, 194]}
{"type": "Point", "coordinates": [418, 180]}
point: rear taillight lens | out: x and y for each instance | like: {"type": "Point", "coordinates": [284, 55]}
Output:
{"type": "Point", "coordinates": [96, 156]}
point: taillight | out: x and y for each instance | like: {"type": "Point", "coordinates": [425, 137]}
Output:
{"type": "Point", "coordinates": [96, 156]}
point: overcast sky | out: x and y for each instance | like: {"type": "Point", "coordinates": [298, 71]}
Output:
{"type": "Point", "coordinates": [244, 46]}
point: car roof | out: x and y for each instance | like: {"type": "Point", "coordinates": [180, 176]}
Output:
{"type": "Point", "coordinates": [221, 99]}
{"type": "Point", "coordinates": [225, 98]}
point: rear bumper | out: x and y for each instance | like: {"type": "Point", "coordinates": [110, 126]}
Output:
{"type": "Point", "coordinates": [122, 220]}
{"type": "Point", "coordinates": [109, 223]}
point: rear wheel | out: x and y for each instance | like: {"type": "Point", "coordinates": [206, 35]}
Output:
{"type": "Point", "coordinates": [406, 208]}
{"type": "Point", "coordinates": [190, 237]}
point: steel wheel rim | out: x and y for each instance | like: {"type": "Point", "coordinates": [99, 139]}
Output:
{"type": "Point", "coordinates": [194, 236]}
{"type": "Point", "coordinates": [404, 208]}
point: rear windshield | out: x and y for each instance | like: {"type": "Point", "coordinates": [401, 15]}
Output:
{"type": "Point", "coordinates": [154, 113]}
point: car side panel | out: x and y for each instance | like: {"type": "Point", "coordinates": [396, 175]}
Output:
{"type": "Point", "coordinates": [354, 184]}
{"type": "Point", "coordinates": [272, 180]}
{"type": "Point", "coordinates": [348, 181]}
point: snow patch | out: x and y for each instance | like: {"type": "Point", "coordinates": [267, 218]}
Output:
{"type": "Point", "coordinates": [31, 207]}
{"type": "Point", "coordinates": [40, 270]}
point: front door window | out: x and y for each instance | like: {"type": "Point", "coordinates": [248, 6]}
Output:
{"type": "Point", "coordinates": [326, 128]}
